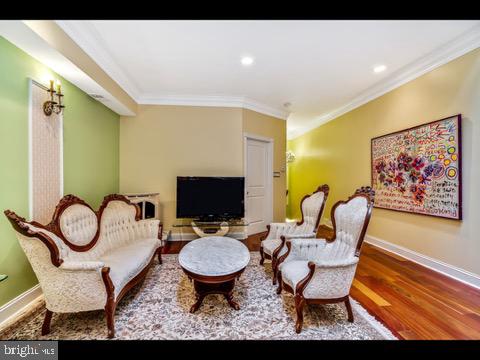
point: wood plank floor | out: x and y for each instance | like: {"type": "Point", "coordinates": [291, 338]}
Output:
{"type": "Point", "coordinates": [414, 302]}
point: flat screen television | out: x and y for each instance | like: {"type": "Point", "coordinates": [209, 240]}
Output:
{"type": "Point", "coordinates": [210, 198]}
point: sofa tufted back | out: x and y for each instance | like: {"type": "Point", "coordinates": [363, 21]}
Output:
{"type": "Point", "coordinates": [117, 223]}
{"type": "Point", "coordinates": [81, 234]}
{"type": "Point", "coordinates": [117, 228]}
{"type": "Point", "coordinates": [78, 224]}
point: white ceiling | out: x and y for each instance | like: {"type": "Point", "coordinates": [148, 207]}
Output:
{"type": "Point", "coordinates": [323, 68]}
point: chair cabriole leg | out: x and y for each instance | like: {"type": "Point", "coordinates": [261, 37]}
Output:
{"type": "Point", "coordinates": [159, 253]}
{"type": "Point", "coordinates": [274, 268]}
{"type": "Point", "coordinates": [349, 309]}
{"type": "Point", "coordinates": [299, 303]}
{"type": "Point", "coordinates": [279, 279]}
{"type": "Point", "coordinates": [46, 322]}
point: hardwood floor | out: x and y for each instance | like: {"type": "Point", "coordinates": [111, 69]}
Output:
{"type": "Point", "coordinates": [414, 302]}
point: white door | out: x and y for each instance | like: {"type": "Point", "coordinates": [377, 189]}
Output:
{"type": "Point", "coordinates": [259, 187]}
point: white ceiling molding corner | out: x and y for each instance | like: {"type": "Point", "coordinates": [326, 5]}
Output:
{"type": "Point", "coordinates": [215, 101]}
{"type": "Point", "coordinates": [90, 41]}
{"type": "Point", "coordinates": [265, 109]}
{"type": "Point", "coordinates": [459, 46]}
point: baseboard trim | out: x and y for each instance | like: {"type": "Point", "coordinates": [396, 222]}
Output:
{"type": "Point", "coordinates": [17, 307]}
{"type": "Point", "coordinates": [451, 271]}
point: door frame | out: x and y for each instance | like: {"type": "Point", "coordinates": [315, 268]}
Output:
{"type": "Point", "coordinates": [269, 192]}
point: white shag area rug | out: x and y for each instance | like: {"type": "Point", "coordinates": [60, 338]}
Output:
{"type": "Point", "coordinates": [159, 309]}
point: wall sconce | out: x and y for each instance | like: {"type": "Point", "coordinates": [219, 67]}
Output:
{"type": "Point", "coordinates": [52, 106]}
{"type": "Point", "coordinates": [290, 156]}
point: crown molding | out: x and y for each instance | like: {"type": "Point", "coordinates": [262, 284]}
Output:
{"type": "Point", "coordinates": [88, 38]}
{"type": "Point", "coordinates": [214, 101]}
{"type": "Point", "coordinates": [459, 46]}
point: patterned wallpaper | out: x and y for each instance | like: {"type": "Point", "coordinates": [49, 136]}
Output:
{"type": "Point", "coordinates": [46, 158]}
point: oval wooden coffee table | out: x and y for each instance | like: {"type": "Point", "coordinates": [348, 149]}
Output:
{"type": "Point", "coordinates": [213, 263]}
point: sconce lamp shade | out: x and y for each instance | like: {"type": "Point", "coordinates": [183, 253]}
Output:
{"type": "Point", "coordinates": [290, 156]}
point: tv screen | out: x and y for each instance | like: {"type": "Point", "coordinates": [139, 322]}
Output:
{"type": "Point", "coordinates": [210, 198]}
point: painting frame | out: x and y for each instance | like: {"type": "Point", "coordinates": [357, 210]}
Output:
{"type": "Point", "coordinates": [458, 119]}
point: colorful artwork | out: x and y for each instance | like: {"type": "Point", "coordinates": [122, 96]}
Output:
{"type": "Point", "coordinates": [418, 170]}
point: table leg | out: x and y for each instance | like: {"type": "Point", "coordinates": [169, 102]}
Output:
{"type": "Point", "coordinates": [197, 304]}
{"type": "Point", "coordinates": [232, 302]}
{"type": "Point", "coordinates": [204, 289]}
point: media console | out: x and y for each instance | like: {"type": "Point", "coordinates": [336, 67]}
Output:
{"type": "Point", "coordinates": [188, 229]}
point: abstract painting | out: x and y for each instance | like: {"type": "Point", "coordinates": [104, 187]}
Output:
{"type": "Point", "coordinates": [418, 170]}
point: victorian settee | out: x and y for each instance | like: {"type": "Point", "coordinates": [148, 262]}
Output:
{"type": "Point", "coordinates": [87, 260]}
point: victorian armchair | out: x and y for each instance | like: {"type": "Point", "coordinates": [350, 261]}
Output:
{"type": "Point", "coordinates": [86, 260]}
{"type": "Point", "coordinates": [273, 244]}
{"type": "Point", "coordinates": [322, 270]}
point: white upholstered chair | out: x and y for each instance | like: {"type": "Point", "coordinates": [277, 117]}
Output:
{"type": "Point", "coordinates": [273, 245]}
{"type": "Point", "coordinates": [322, 270]}
{"type": "Point", "coordinates": [86, 260]}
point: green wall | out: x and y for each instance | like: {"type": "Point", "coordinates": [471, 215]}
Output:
{"type": "Point", "coordinates": [91, 154]}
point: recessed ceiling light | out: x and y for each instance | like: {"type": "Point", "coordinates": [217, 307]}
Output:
{"type": "Point", "coordinates": [379, 68]}
{"type": "Point", "coordinates": [247, 60]}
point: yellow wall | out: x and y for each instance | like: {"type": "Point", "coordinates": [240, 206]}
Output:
{"type": "Point", "coordinates": [274, 128]}
{"type": "Point", "coordinates": [163, 142]}
{"type": "Point", "coordinates": [338, 153]}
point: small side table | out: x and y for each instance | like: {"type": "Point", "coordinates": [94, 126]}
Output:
{"type": "Point", "coordinates": [3, 277]}
{"type": "Point", "coordinates": [214, 263]}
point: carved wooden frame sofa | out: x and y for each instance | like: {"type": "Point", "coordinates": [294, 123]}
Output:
{"type": "Point", "coordinates": [87, 260]}
{"type": "Point", "coordinates": [321, 271]}
{"type": "Point", "coordinates": [273, 244]}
